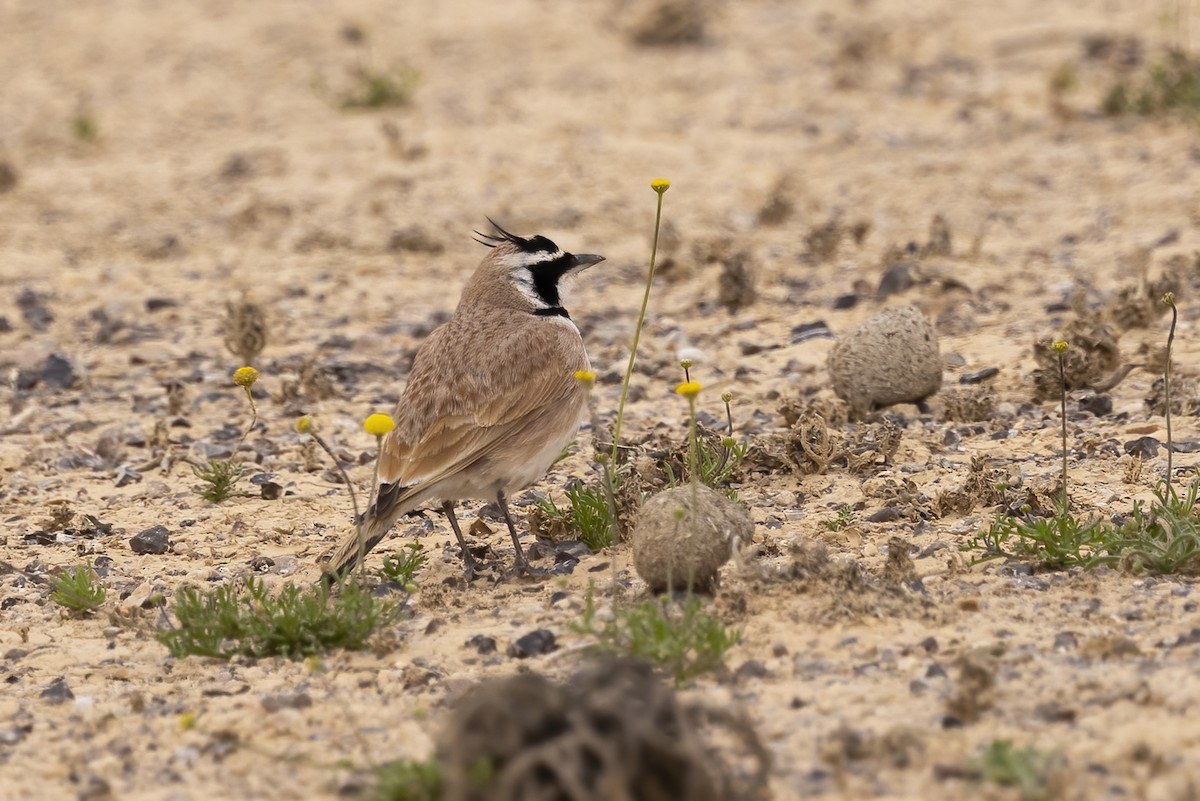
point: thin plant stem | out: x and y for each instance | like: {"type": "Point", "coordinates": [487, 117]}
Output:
{"type": "Point", "coordinates": [1062, 377]}
{"type": "Point", "coordinates": [1170, 300]}
{"type": "Point", "coordinates": [346, 478]}
{"type": "Point", "coordinates": [637, 333]}
{"type": "Point", "coordinates": [693, 468]}
{"type": "Point", "coordinates": [362, 540]}
{"type": "Point", "coordinates": [253, 421]}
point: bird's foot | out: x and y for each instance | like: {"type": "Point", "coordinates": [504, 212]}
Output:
{"type": "Point", "coordinates": [521, 567]}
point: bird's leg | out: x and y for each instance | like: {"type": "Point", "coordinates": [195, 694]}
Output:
{"type": "Point", "coordinates": [468, 560]}
{"type": "Point", "coordinates": [520, 565]}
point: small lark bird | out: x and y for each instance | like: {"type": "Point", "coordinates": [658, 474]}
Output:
{"type": "Point", "coordinates": [492, 398]}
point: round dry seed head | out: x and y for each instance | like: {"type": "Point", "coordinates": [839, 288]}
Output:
{"type": "Point", "coordinates": [891, 358]}
{"type": "Point", "coordinates": [672, 545]}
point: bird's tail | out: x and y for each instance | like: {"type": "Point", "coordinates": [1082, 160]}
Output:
{"type": "Point", "coordinates": [391, 502]}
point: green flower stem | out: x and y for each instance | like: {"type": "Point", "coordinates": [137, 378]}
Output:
{"type": "Point", "coordinates": [637, 334]}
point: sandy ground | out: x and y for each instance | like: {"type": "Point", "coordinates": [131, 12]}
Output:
{"type": "Point", "coordinates": [215, 159]}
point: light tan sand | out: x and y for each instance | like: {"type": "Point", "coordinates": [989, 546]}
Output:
{"type": "Point", "coordinates": [223, 164]}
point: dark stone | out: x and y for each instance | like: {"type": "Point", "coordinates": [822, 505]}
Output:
{"type": "Point", "coordinates": [1098, 405]}
{"type": "Point", "coordinates": [5, 325]}
{"type": "Point", "coordinates": [26, 379]}
{"type": "Point", "coordinates": [271, 491]}
{"type": "Point", "coordinates": [338, 342]}
{"type": "Point", "coordinates": [261, 564]}
{"type": "Point", "coordinates": [157, 304]}
{"type": "Point", "coordinates": [1143, 447]}
{"type": "Point", "coordinates": [154, 540]}
{"type": "Point", "coordinates": [102, 565]}
{"type": "Point", "coordinates": [296, 700]}
{"type": "Point", "coordinates": [57, 372]}
{"type": "Point", "coordinates": [888, 514]}
{"type": "Point", "coordinates": [40, 537]}
{"type": "Point", "coordinates": [896, 279]}
{"type": "Point", "coordinates": [535, 643]}
{"type": "Point", "coordinates": [807, 331]}
{"type": "Point", "coordinates": [1185, 446]}
{"type": "Point", "coordinates": [57, 692]}
{"type": "Point", "coordinates": [8, 176]}
{"type": "Point", "coordinates": [848, 301]}
{"type": "Point", "coordinates": [483, 644]}
{"type": "Point", "coordinates": [750, 669]}
{"type": "Point", "coordinates": [33, 309]}
{"type": "Point", "coordinates": [1065, 640]}
{"type": "Point", "coordinates": [1054, 712]}
{"type": "Point", "coordinates": [979, 376]}
{"type": "Point", "coordinates": [951, 438]}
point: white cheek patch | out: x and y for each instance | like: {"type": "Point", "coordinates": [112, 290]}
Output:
{"type": "Point", "coordinates": [523, 282]}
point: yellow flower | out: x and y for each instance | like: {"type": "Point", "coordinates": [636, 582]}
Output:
{"type": "Point", "coordinates": [585, 377]}
{"type": "Point", "coordinates": [305, 425]}
{"type": "Point", "coordinates": [688, 389]}
{"type": "Point", "coordinates": [1169, 299]}
{"type": "Point", "coordinates": [245, 377]}
{"type": "Point", "coordinates": [660, 185]}
{"type": "Point", "coordinates": [187, 721]}
{"type": "Point", "coordinates": [1059, 347]}
{"type": "Point", "coordinates": [379, 424]}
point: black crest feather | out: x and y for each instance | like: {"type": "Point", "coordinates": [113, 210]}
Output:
{"type": "Point", "coordinates": [532, 244]}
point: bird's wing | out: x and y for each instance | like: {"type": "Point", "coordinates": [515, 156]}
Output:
{"type": "Point", "coordinates": [538, 377]}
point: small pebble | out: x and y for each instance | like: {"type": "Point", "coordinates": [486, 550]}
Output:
{"type": "Point", "coordinates": [979, 376]}
{"type": "Point", "coordinates": [535, 643]}
{"type": "Point", "coordinates": [296, 700]}
{"type": "Point", "coordinates": [57, 691]}
{"type": "Point", "coordinates": [483, 644]}
{"type": "Point", "coordinates": [58, 372]}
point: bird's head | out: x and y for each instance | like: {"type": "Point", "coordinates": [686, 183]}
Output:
{"type": "Point", "coordinates": [532, 266]}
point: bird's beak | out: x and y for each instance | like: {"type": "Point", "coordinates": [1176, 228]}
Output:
{"type": "Point", "coordinates": [585, 260]}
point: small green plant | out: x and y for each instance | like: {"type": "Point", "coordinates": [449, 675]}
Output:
{"type": "Point", "coordinates": [1165, 538]}
{"type": "Point", "coordinates": [84, 127]}
{"type": "Point", "coordinates": [716, 461]}
{"type": "Point", "coordinates": [1172, 86]}
{"type": "Point", "coordinates": [681, 638]}
{"type": "Point", "coordinates": [589, 514]}
{"type": "Point", "coordinates": [844, 517]}
{"type": "Point", "coordinates": [219, 477]}
{"type": "Point", "coordinates": [373, 89]}
{"type": "Point", "coordinates": [78, 590]}
{"type": "Point", "coordinates": [401, 567]}
{"type": "Point", "coordinates": [1030, 770]}
{"type": "Point", "coordinates": [245, 618]}
{"type": "Point", "coordinates": [410, 780]}
{"type": "Point", "coordinates": [1051, 543]}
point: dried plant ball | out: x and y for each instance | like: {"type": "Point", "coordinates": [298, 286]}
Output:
{"type": "Point", "coordinates": [891, 358]}
{"type": "Point", "coordinates": [672, 545]}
